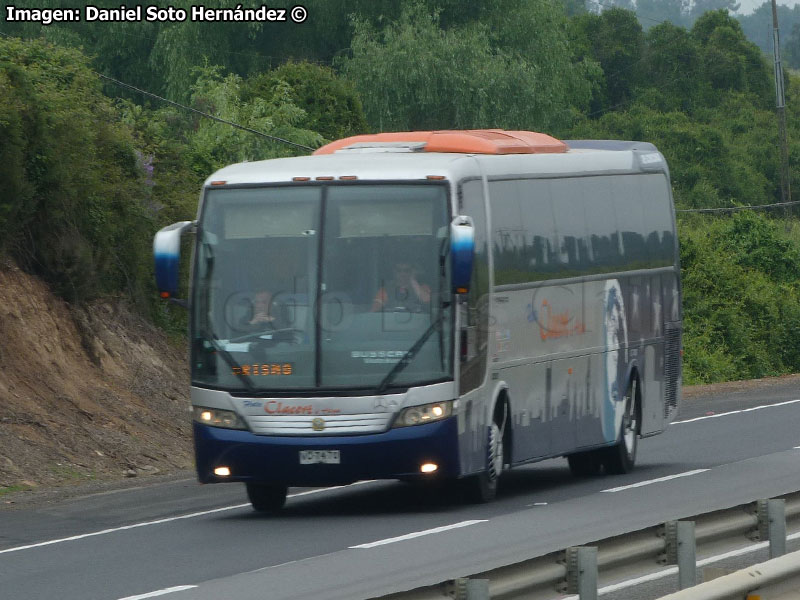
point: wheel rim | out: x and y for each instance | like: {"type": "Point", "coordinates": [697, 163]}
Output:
{"type": "Point", "coordinates": [629, 423]}
{"type": "Point", "coordinates": [495, 452]}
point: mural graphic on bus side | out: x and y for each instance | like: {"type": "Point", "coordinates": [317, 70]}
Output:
{"type": "Point", "coordinates": [615, 333]}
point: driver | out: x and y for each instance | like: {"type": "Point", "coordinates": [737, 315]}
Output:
{"type": "Point", "coordinates": [403, 290]}
{"type": "Point", "coordinates": [261, 309]}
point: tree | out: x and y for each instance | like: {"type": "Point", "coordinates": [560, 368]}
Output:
{"type": "Point", "coordinates": [332, 107]}
{"type": "Point", "coordinates": [701, 7]}
{"type": "Point", "coordinates": [730, 61]}
{"type": "Point", "coordinates": [673, 66]}
{"type": "Point", "coordinates": [70, 208]}
{"type": "Point", "coordinates": [615, 40]}
{"type": "Point", "coordinates": [791, 50]}
{"type": "Point", "coordinates": [214, 145]}
{"type": "Point", "coordinates": [653, 12]}
{"type": "Point", "coordinates": [413, 74]}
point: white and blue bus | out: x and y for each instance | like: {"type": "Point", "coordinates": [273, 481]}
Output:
{"type": "Point", "coordinates": [430, 305]}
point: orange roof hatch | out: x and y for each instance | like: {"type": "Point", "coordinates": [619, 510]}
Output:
{"type": "Point", "coordinates": [471, 141]}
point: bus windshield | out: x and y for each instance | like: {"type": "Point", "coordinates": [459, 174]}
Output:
{"type": "Point", "coordinates": [322, 288]}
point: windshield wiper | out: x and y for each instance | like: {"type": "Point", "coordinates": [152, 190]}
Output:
{"type": "Point", "coordinates": [409, 357]}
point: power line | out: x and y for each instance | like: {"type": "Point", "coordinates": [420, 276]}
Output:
{"type": "Point", "coordinates": [194, 110]}
{"type": "Point", "coordinates": [736, 208]}
{"type": "Point", "coordinates": [204, 114]}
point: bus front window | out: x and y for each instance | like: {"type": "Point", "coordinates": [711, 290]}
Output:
{"type": "Point", "coordinates": [307, 287]}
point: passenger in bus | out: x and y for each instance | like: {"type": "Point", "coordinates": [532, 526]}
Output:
{"type": "Point", "coordinates": [403, 291]}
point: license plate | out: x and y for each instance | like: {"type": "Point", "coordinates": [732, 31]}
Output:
{"type": "Point", "coordinates": [312, 457]}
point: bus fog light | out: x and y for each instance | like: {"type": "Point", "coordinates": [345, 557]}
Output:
{"type": "Point", "coordinates": [429, 467]}
{"type": "Point", "coordinates": [417, 415]}
{"type": "Point", "coordinates": [222, 472]}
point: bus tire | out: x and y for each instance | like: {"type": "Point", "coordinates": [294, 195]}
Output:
{"type": "Point", "coordinates": [620, 457]}
{"type": "Point", "coordinates": [482, 488]}
{"type": "Point", "coordinates": [585, 464]}
{"type": "Point", "coordinates": [266, 498]}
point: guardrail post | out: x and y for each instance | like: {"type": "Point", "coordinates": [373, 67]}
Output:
{"type": "Point", "coordinates": [772, 525]}
{"type": "Point", "coordinates": [680, 542]}
{"type": "Point", "coordinates": [471, 589]}
{"type": "Point", "coordinates": [582, 572]}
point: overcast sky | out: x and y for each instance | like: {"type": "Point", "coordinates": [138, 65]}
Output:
{"type": "Point", "coordinates": [748, 6]}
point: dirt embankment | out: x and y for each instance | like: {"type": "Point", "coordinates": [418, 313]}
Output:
{"type": "Point", "coordinates": [85, 394]}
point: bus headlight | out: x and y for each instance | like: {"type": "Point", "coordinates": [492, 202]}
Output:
{"type": "Point", "coordinates": [218, 418]}
{"type": "Point", "coordinates": [427, 413]}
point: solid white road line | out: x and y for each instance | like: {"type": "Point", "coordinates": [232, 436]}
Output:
{"type": "Point", "coordinates": [164, 592]}
{"type": "Point", "coordinates": [161, 521]}
{"type": "Point", "coordinates": [659, 480]}
{"type": "Point", "coordinates": [736, 412]}
{"type": "Point", "coordinates": [409, 536]}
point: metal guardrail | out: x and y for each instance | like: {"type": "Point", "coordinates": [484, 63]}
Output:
{"type": "Point", "coordinates": [638, 554]}
{"type": "Point", "coordinates": [769, 580]}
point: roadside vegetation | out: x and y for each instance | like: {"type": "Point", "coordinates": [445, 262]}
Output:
{"type": "Point", "coordinates": [89, 170]}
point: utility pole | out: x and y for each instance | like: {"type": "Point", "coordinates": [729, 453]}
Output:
{"type": "Point", "coordinates": [786, 194]}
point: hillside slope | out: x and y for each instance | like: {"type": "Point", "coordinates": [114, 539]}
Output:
{"type": "Point", "coordinates": [95, 393]}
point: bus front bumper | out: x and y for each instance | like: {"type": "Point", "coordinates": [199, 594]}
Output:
{"type": "Point", "coordinates": [394, 454]}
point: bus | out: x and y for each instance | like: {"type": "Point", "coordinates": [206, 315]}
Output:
{"type": "Point", "coordinates": [430, 306]}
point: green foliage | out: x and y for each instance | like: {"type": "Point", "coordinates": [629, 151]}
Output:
{"type": "Point", "coordinates": [413, 74]}
{"type": "Point", "coordinates": [741, 281]}
{"type": "Point", "coordinates": [731, 62]}
{"type": "Point", "coordinates": [653, 12]}
{"type": "Point", "coordinates": [70, 208]}
{"type": "Point", "coordinates": [615, 40]}
{"type": "Point", "coordinates": [332, 107]}
{"type": "Point", "coordinates": [705, 102]}
{"type": "Point", "coordinates": [214, 144]}
{"type": "Point", "coordinates": [17, 189]}
{"type": "Point", "coordinates": [673, 66]}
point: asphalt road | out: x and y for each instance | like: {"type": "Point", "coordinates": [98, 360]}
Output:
{"type": "Point", "coordinates": [190, 542]}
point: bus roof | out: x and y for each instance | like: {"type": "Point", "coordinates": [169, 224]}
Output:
{"type": "Point", "coordinates": [450, 155]}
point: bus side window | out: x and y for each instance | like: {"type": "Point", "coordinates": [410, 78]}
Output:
{"type": "Point", "coordinates": [474, 332]}
{"type": "Point", "coordinates": [631, 221]}
{"type": "Point", "coordinates": [541, 244]}
{"type": "Point", "coordinates": [570, 224]}
{"type": "Point", "coordinates": [599, 210]}
{"type": "Point", "coordinates": [658, 218]}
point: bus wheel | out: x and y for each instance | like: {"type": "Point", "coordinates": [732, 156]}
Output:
{"type": "Point", "coordinates": [482, 488]}
{"type": "Point", "coordinates": [621, 457]}
{"type": "Point", "coordinates": [266, 498]}
{"type": "Point", "coordinates": [585, 464]}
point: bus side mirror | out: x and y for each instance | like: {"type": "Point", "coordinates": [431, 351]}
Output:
{"type": "Point", "coordinates": [462, 250]}
{"type": "Point", "coordinates": [167, 253]}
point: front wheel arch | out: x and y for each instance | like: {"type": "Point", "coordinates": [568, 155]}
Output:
{"type": "Point", "coordinates": [482, 487]}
